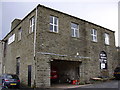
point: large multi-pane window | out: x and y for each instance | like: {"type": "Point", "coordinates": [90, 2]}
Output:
{"type": "Point", "coordinates": [94, 35]}
{"type": "Point", "coordinates": [53, 24]}
{"type": "Point", "coordinates": [32, 24]}
{"type": "Point", "coordinates": [107, 38]}
{"type": "Point", "coordinates": [74, 30]}
{"type": "Point", "coordinates": [19, 33]}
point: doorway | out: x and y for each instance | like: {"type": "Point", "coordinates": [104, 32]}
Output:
{"type": "Point", "coordinates": [29, 74]}
{"type": "Point", "coordinates": [63, 71]}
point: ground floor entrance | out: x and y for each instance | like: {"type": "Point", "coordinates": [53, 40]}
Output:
{"type": "Point", "coordinates": [64, 71]}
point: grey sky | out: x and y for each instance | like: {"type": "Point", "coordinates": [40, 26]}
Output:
{"type": "Point", "coordinates": [101, 12]}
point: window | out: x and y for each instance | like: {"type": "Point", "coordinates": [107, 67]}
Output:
{"type": "Point", "coordinates": [53, 24]}
{"type": "Point", "coordinates": [32, 25]}
{"type": "Point", "coordinates": [94, 35]}
{"type": "Point", "coordinates": [19, 33]}
{"type": "Point", "coordinates": [74, 30]}
{"type": "Point", "coordinates": [11, 39]}
{"type": "Point", "coordinates": [106, 38]}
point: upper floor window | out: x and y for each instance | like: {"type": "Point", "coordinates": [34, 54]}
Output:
{"type": "Point", "coordinates": [94, 35]}
{"type": "Point", "coordinates": [53, 24]}
{"type": "Point", "coordinates": [11, 39]}
{"type": "Point", "coordinates": [19, 33]}
{"type": "Point", "coordinates": [74, 30]}
{"type": "Point", "coordinates": [107, 38]}
{"type": "Point", "coordinates": [32, 24]}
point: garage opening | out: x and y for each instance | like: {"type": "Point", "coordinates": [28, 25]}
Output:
{"type": "Point", "coordinates": [64, 71]}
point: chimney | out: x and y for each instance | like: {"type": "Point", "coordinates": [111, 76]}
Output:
{"type": "Point", "coordinates": [14, 23]}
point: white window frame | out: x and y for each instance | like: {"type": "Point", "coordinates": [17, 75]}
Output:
{"type": "Point", "coordinates": [107, 41]}
{"type": "Point", "coordinates": [53, 24]}
{"type": "Point", "coordinates": [32, 24]}
{"type": "Point", "coordinates": [11, 39]}
{"type": "Point", "coordinates": [94, 35]}
{"type": "Point", "coordinates": [19, 34]}
{"type": "Point", "coordinates": [75, 31]}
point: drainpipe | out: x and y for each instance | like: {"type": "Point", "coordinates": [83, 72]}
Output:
{"type": "Point", "coordinates": [35, 46]}
{"type": "Point", "coordinates": [35, 31]}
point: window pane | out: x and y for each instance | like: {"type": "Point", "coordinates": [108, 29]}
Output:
{"type": "Point", "coordinates": [92, 38]}
{"type": "Point", "coordinates": [106, 38]}
{"type": "Point", "coordinates": [55, 21]}
{"type": "Point", "coordinates": [33, 28]}
{"type": "Point", "coordinates": [72, 32]}
{"type": "Point", "coordinates": [92, 31]}
{"type": "Point", "coordinates": [55, 28]}
{"type": "Point", "coordinates": [51, 19]}
{"type": "Point", "coordinates": [95, 38]}
{"type": "Point", "coordinates": [95, 32]}
{"type": "Point", "coordinates": [74, 25]}
{"type": "Point", "coordinates": [51, 27]}
{"type": "Point", "coordinates": [32, 21]}
{"type": "Point", "coordinates": [76, 33]}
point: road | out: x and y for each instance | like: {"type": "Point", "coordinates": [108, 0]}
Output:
{"type": "Point", "coordinates": [110, 84]}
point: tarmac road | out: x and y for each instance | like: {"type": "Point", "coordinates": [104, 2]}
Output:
{"type": "Point", "coordinates": [110, 85]}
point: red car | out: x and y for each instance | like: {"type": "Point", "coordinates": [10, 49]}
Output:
{"type": "Point", "coordinates": [54, 75]}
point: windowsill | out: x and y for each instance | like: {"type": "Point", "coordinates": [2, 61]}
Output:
{"type": "Point", "coordinates": [75, 37]}
{"type": "Point", "coordinates": [53, 32]}
{"type": "Point", "coordinates": [19, 40]}
{"type": "Point", "coordinates": [11, 43]}
{"type": "Point", "coordinates": [30, 33]}
{"type": "Point", "coordinates": [107, 44]}
{"type": "Point", "coordinates": [94, 41]}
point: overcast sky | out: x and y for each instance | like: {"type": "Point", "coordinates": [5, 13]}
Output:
{"type": "Point", "coordinates": [101, 12]}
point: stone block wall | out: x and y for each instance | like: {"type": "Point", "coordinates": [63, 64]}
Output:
{"type": "Point", "coordinates": [57, 46]}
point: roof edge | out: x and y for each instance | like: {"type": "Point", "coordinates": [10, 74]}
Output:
{"type": "Point", "coordinates": [39, 5]}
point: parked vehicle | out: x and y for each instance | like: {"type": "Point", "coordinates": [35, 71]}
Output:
{"type": "Point", "coordinates": [117, 73]}
{"type": "Point", "coordinates": [10, 81]}
{"type": "Point", "coordinates": [54, 75]}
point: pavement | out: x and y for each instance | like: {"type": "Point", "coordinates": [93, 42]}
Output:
{"type": "Point", "coordinates": [66, 86]}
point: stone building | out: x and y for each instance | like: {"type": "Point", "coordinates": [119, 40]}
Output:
{"type": "Point", "coordinates": [47, 38]}
{"type": "Point", "coordinates": [118, 56]}
{"type": "Point", "coordinates": [1, 56]}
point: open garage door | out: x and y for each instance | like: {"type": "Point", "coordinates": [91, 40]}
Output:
{"type": "Point", "coordinates": [64, 71]}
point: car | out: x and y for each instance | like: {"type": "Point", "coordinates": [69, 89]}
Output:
{"type": "Point", "coordinates": [10, 81]}
{"type": "Point", "coordinates": [117, 73]}
{"type": "Point", "coordinates": [54, 75]}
